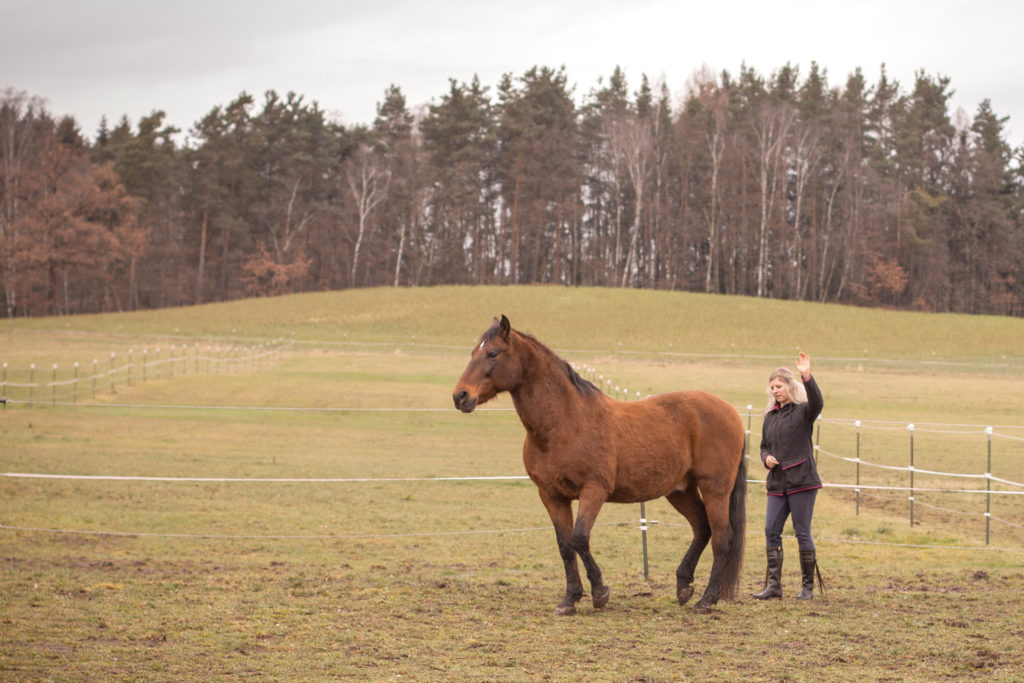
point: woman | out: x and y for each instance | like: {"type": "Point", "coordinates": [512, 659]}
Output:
{"type": "Point", "coordinates": [793, 483]}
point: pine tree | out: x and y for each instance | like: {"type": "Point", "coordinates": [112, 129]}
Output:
{"type": "Point", "coordinates": [459, 138]}
{"type": "Point", "coordinates": [539, 171]}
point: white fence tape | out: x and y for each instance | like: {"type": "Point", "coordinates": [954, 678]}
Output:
{"type": "Point", "coordinates": [932, 428]}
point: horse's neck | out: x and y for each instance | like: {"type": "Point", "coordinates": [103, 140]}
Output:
{"type": "Point", "coordinates": [546, 399]}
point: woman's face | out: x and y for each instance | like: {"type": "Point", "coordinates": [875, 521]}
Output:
{"type": "Point", "coordinates": [780, 392]}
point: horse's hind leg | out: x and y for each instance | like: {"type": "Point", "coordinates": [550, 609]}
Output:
{"type": "Point", "coordinates": [560, 511]}
{"type": "Point", "coordinates": [716, 504]}
{"type": "Point", "coordinates": [689, 505]}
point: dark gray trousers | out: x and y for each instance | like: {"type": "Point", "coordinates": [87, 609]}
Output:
{"type": "Point", "coordinates": [779, 508]}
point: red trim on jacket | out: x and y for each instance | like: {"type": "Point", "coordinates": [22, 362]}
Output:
{"type": "Point", "coordinates": [787, 493]}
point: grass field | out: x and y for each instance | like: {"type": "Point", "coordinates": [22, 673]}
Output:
{"type": "Point", "coordinates": [265, 560]}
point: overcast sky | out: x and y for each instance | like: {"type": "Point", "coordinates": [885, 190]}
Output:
{"type": "Point", "coordinates": [115, 57]}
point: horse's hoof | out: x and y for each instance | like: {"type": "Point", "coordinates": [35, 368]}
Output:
{"type": "Point", "coordinates": [702, 607]}
{"type": "Point", "coordinates": [684, 594]}
{"type": "Point", "coordinates": [565, 610]}
{"type": "Point", "coordinates": [600, 596]}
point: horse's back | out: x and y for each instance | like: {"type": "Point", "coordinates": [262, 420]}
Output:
{"type": "Point", "coordinates": [715, 435]}
{"type": "Point", "coordinates": [665, 440]}
{"type": "Point", "coordinates": [700, 412]}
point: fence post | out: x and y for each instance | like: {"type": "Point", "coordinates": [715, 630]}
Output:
{"type": "Point", "coordinates": [643, 536]}
{"type": "Point", "coordinates": [53, 387]}
{"type": "Point", "coordinates": [988, 475]}
{"type": "Point", "coordinates": [750, 413]}
{"type": "Point", "coordinates": [857, 423]}
{"type": "Point", "coordinates": [130, 367]}
{"type": "Point", "coordinates": [817, 440]}
{"type": "Point", "coordinates": [911, 429]}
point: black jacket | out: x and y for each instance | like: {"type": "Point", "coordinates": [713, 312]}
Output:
{"type": "Point", "coordinates": [786, 434]}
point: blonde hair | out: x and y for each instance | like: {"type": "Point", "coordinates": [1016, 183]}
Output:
{"type": "Point", "coordinates": [797, 392]}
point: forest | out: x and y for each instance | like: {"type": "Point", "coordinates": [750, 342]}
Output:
{"type": "Point", "coordinates": [781, 185]}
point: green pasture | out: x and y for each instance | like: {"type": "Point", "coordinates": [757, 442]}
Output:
{"type": "Point", "coordinates": [605, 320]}
{"type": "Point", "coordinates": [291, 517]}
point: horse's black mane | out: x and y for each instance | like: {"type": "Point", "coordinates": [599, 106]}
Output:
{"type": "Point", "coordinates": [584, 386]}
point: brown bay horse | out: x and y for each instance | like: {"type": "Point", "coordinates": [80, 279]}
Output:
{"type": "Point", "coordinates": [583, 445]}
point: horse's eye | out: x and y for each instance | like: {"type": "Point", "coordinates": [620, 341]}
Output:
{"type": "Point", "coordinates": [492, 354]}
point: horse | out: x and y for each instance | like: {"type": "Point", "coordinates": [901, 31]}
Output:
{"type": "Point", "coordinates": [584, 445]}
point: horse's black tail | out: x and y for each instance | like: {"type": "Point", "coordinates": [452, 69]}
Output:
{"type": "Point", "coordinates": [738, 526]}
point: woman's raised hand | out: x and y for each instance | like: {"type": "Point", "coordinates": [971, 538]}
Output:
{"type": "Point", "coordinates": [803, 364]}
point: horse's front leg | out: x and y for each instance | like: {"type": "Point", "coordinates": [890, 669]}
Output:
{"type": "Point", "coordinates": [591, 500]}
{"type": "Point", "coordinates": [560, 511]}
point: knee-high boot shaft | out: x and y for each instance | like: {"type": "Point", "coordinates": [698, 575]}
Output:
{"type": "Point", "coordinates": [808, 565]}
{"type": "Point", "coordinates": [773, 575]}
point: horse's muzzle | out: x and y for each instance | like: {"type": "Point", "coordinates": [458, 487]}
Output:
{"type": "Point", "coordinates": [463, 401]}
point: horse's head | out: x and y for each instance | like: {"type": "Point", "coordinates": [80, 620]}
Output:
{"type": "Point", "coordinates": [493, 368]}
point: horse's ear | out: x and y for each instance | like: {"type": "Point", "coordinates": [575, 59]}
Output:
{"type": "Point", "coordinates": [504, 328]}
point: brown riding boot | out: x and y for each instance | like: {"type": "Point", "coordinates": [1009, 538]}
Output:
{"type": "Point", "coordinates": [808, 566]}
{"type": "Point", "coordinates": [773, 576]}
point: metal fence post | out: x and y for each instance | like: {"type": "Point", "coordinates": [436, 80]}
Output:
{"type": "Point", "coordinates": [643, 536]}
{"type": "Point", "coordinates": [911, 429]}
{"type": "Point", "coordinates": [750, 414]}
{"type": "Point", "coordinates": [817, 440]}
{"type": "Point", "coordinates": [857, 423]}
{"type": "Point", "coordinates": [988, 481]}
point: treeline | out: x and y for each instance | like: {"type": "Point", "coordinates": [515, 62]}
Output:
{"type": "Point", "coordinates": [782, 186]}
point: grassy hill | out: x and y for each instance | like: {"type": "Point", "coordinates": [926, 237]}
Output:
{"type": "Point", "coordinates": [602, 320]}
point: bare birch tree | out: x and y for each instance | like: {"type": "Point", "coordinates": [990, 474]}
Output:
{"type": "Point", "coordinates": [715, 139]}
{"type": "Point", "coordinates": [770, 130]}
{"type": "Point", "coordinates": [805, 158]}
{"type": "Point", "coordinates": [631, 143]}
{"type": "Point", "coordinates": [368, 181]}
